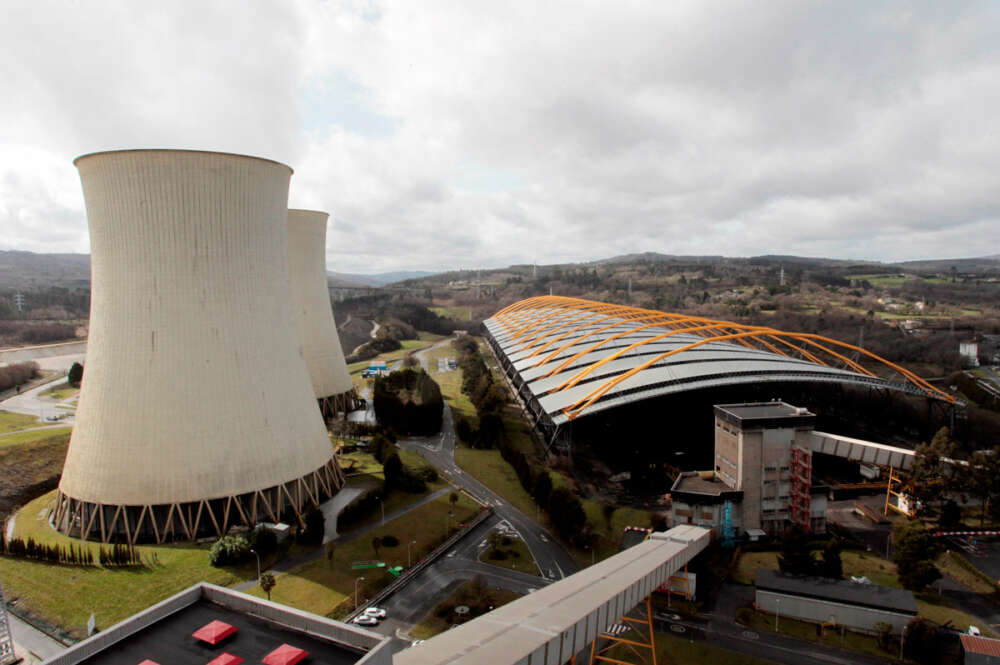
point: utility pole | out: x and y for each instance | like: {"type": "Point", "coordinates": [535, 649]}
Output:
{"type": "Point", "coordinates": [19, 301]}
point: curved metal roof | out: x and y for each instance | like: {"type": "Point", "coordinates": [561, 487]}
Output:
{"type": "Point", "coordinates": [581, 356]}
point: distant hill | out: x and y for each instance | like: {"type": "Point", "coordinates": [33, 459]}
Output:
{"type": "Point", "coordinates": [657, 257]}
{"type": "Point", "coordinates": [28, 270]}
{"type": "Point", "coordinates": [983, 264]}
{"type": "Point", "coordinates": [378, 279]}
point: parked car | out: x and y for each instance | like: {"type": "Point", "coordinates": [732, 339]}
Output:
{"type": "Point", "coordinates": [365, 620]}
{"type": "Point", "coordinates": [375, 612]}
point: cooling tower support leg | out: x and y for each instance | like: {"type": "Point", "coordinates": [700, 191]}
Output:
{"type": "Point", "coordinates": [187, 521]}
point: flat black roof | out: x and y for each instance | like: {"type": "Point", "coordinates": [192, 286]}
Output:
{"type": "Point", "coordinates": [765, 415]}
{"type": "Point", "coordinates": [840, 591]}
{"type": "Point", "coordinates": [169, 642]}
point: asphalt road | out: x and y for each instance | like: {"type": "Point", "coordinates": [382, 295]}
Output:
{"type": "Point", "coordinates": [553, 559]}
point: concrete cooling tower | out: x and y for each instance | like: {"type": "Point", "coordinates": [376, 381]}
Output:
{"type": "Point", "coordinates": [197, 412]}
{"type": "Point", "coordinates": [311, 299]}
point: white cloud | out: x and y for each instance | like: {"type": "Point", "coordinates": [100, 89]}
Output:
{"type": "Point", "coordinates": [470, 133]}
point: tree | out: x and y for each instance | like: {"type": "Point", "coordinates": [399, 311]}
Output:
{"type": "Point", "coordinates": [542, 489]}
{"type": "Point", "coordinates": [315, 527]}
{"type": "Point", "coordinates": [931, 478]}
{"type": "Point", "coordinates": [453, 499]}
{"type": "Point", "coordinates": [393, 471]}
{"type": "Point", "coordinates": [831, 565]}
{"type": "Point", "coordinates": [796, 557]}
{"type": "Point", "coordinates": [267, 583]}
{"type": "Point", "coordinates": [951, 515]}
{"type": "Point", "coordinates": [984, 479]}
{"type": "Point", "coordinates": [567, 513]}
{"type": "Point", "coordinates": [75, 376]}
{"type": "Point", "coordinates": [914, 555]}
{"type": "Point", "coordinates": [376, 543]}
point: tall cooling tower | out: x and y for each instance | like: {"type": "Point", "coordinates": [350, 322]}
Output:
{"type": "Point", "coordinates": [197, 412]}
{"type": "Point", "coordinates": [311, 299]}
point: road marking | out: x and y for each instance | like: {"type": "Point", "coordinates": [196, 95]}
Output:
{"type": "Point", "coordinates": [750, 635]}
{"type": "Point", "coordinates": [677, 628]}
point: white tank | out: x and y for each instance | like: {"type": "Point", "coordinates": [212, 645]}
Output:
{"type": "Point", "coordinates": [197, 411]}
{"type": "Point", "coordinates": [311, 299]}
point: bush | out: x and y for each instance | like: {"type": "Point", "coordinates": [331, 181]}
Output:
{"type": "Point", "coordinates": [390, 541]}
{"type": "Point", "coordinates": [17, 373]}
{"type": "Point", "coordinates": [263, 541]}
{"type": "Point", "coordinates": [409, 402]}
{"type": "Point", "coordinates": [315, 527]}
{"type": "Point", "coordinates": [229, 551]}
{"type": "Point", "coordinates": [75, 375]}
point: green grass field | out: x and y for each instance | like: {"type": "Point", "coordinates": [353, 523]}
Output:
{"type": "Point", "coordinates": [32, 436]}
{"type": "Point", "coordinates": [454, 312]}
{"type": "Point", "coordinates": [326, 586]}
{"type": "Point", "coordinates": [518, 557]}
{"type": "Point", "coordinates": [424, 340]}
{"type": "Point", "coordinates": [442, 616]}
{"type": "Point", "coordinates": [60, 391]}
{"type": "Point", "coordinates": [66, 595]}
{"type": "Point", "coordinates": [12, 422]}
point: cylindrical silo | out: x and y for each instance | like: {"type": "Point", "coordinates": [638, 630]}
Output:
{"type": "Point", "coordinates": [311, 299]}
{"type": "Point", "coordinates": [197, 412]}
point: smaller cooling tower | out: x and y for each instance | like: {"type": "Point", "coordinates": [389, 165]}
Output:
{"type": "Point", "coordinates": [311, 299]}
{"type": "Point", "coordinates": [197, 411]}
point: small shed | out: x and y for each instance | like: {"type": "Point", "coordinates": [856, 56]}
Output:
{"type": "Point", "coordinates": [818, 599]}
{"type": "Point", "coordinates": [978, 650]}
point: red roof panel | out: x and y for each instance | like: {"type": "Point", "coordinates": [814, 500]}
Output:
{"type": "Point", "coordinates": [226, 659]}
{"type": "Point", "coordinates": [286, 654]}
{"type": "Point", "coordinates": [214, 632]}
{"type": "Point", "coordinates": [983, 645]}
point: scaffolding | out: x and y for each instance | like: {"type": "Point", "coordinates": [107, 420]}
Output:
{"type": "Point", "coordinates": [799, 501]}
{"type": "Point", "coordinates": [895, 489]}
{"type": "Point", "coordinates": [6, 639]}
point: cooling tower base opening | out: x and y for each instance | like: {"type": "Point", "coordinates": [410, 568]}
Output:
{"type": "Point", "coordinates": [334, 405]}
{"type": "Point", "coordinates": [162, 523]}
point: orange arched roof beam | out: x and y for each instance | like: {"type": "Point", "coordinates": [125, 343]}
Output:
{"type": "Point", "coordinates": [618, 322]}
{"type": "Point", "coordinates": [583, 310]}
{"type": "Point", "coordinates": [582, 374]}
{"type": "Point", "coordinates": [552, 331]}
{"type": "Point", "coordinates": [658, 318]}
{"type": "Point", "coordinates": [574, 409]}
{"type": "Point", "coordinates": [569, 361]}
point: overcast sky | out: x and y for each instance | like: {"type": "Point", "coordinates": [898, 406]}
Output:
{"type": "Point", "coordinates": [460, 134]}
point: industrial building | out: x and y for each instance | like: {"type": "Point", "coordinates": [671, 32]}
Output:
{"type": "Point", "coordinates": [567, 358]}
{"type": "Point", "coordinates": [820, 600]}
{"type": "Point", "coordinates": [211, 624]}
{"type": "Point", "coordinates": [311, 299]}
{"type": "Point", "coordinates": [762, 478]}
{"type": "Point", "coordinates": [197, 412]}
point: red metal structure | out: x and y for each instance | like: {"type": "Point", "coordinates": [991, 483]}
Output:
{"type": "Point", "coordinates": [799, 500]}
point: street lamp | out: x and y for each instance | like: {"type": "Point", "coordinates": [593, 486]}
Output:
{"type": "Point", "coordinates": [258, 561]}
{"type": "Point", "coordinates": [382, 506]}
{"type": "Point", "coordinates": [356, 591]}
{"type": "Point", "coordinates": [408, 561]}
{"type": "Point", "coordinates": [777, 611]}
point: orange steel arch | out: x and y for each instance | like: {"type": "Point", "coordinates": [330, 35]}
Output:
{"type": "Point", "coordinates": [524, 316]}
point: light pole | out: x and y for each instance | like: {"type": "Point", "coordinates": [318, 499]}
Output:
{"type": "Point", "coordinates": [408, 560]}
{"type": "Point", "coordinates": [356, 591]}
{"type": "Point", "coordinates": [777, 612]}
{"type": "Point", "coordinates": [382, 506]}
{"type": "Point", "coordinates": [258, 562]}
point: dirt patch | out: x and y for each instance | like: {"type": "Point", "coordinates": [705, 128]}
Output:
{"type": "Point", "coordinates": [27, 471]}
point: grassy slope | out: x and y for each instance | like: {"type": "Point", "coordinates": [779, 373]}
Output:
{"type": "Point", "coordinates": [518, 557]}
{"type": "Point", "coordinates": [32, 436]}
{"type": "Point", "coordinates": [66, 595]}
{"type": "Point", "coordinates": [432, 624]}
{"type": "Point", "coordinates": [11, 422]}
{"type": "Point", "coordinates": [322, 585]}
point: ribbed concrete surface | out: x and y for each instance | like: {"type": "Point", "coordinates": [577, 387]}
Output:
{"type": "Point", "coordinates": [311, 299]}
{"type": "Point", "coordinates": [195, 385]}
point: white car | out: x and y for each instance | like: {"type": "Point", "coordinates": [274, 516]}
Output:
{"type": "Point", "coordinates": [974, 630]}
{"type": "Point", "coordinates": [365, 620]}
{"type": "Point", "coordinates": [375, 613]}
